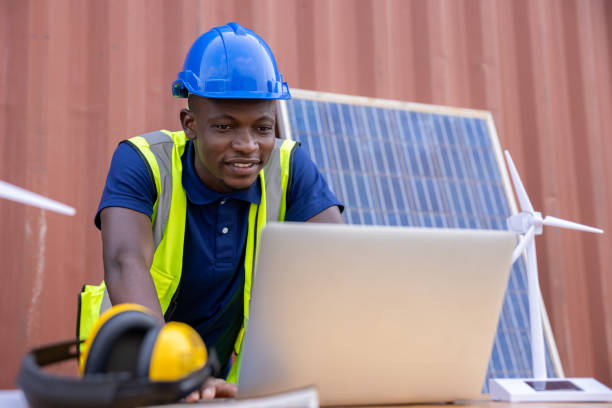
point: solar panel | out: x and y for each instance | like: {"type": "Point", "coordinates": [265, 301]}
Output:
{"type": "Point", "coordinates": [395, 163]}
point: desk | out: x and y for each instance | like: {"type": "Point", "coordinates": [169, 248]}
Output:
{"type": "Point", "coordinates": [482, 403]}
{"type": "Point", "coordinates": [15, 399]}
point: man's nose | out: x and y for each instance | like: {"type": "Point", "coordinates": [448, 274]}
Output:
{"type": "Point", "coordinates": [244, 141]}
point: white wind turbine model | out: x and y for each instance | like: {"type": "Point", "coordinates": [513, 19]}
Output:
{"type": "Point", "coordinates": [529, 223]}
{"type": "Point", "coordinates": [14, 193]}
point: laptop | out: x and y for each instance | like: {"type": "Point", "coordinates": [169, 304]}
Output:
{"type": "Point", "coordinates": [374, 315]}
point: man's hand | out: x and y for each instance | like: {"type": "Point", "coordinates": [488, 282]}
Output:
{"type": "Point", "coordinates": [213, 388]}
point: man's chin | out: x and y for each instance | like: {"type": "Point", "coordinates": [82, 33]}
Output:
{"type": "Point", "coordinates": [237, 185]}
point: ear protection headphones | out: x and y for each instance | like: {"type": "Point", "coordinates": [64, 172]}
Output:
{"type": "Point", "coordinates": [129, 360]}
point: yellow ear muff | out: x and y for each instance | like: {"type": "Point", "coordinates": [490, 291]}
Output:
{"type": "Point", "coordinates": [102, 320]}
{"type": "Point", "coordinates": [130, 359]}
{"type": "Point", "coordinates": [127, 337]}
{"type": "Point", "coordinates": [178, 351]}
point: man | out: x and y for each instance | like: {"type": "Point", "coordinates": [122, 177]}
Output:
{"type": "Point", "coordinates": [181, 212]}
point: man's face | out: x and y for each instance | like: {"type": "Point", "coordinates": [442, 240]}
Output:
{"type": "Point", "coordinates": [233, 139]}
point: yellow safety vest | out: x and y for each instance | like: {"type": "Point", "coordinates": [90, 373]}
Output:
{"type": "Point", "coordinates": [162, 151]}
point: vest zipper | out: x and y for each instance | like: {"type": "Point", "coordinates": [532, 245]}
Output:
{"type": "Point", "coordinates": [78, 325]}
{"type": "Point", "coordinates": [173, 302]}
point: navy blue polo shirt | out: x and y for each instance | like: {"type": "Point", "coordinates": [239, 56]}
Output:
{"type": "Point", "coordinates": [210, 294]}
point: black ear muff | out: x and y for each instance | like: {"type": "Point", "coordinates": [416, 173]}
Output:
{"type": "Point", "coordinates": [145, 353]}
{"type": "Point", "coordinates": [126, 325]}
{"type": "Point", "coordinates": [117, 343]}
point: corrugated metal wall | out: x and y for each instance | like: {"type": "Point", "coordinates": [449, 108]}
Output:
{"type": "Point", "coordinates": [78, 76]}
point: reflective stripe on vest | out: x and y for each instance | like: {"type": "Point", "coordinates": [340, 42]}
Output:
{"type": "Point", "coordinates": [162, 152]}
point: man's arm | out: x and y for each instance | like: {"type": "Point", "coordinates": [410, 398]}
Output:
{"type": "Point", "coordinates": [127, 251]}
{"type": "Point", "coordinates": [329, 215]}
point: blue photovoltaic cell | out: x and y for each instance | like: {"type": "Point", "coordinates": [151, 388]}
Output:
{"type": "Point", "coordinates": [403, 167]}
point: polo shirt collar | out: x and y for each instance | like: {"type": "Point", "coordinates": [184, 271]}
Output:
{"type": "Point", "coordinates": [198, 193]}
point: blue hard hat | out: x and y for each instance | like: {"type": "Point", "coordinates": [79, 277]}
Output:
{"type": "Point", "coordinates": [230, 62]}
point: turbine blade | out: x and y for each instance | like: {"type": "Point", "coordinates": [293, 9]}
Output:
{"type": "Point", "coordinates": [558, 222]}
{"type": "Point", "coordinates": [20, 195]}
{"type": "Point", "coordinates": [520, 248]}
{"type": "Point", "coordinates": [518, 185]}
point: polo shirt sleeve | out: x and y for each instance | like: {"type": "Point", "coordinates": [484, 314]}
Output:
{"type": "Point", "coordinates": [128, 183]}
{"type": "Point", "coordinates": [308, 192]}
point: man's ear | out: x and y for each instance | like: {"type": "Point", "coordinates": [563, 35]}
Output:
{"type": "Point", "coordinates": [188, 123]}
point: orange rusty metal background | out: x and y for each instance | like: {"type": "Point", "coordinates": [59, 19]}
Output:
{"type": "Point", "coordinates": [76, 77]}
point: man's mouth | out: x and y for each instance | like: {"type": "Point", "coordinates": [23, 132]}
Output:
{"type": "Point", "coordinates": [243, 166]}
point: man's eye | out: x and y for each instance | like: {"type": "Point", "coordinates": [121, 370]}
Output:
{"type": "Point", "coordinates": [222, 127]}
{"type": "Point", "coordinates": [264, 129]}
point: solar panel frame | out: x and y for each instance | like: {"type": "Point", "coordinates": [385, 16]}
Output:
{"type": "Point", "coordinates": [429, 128]}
